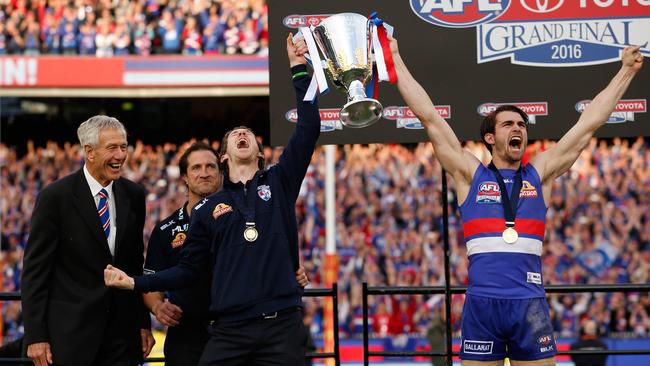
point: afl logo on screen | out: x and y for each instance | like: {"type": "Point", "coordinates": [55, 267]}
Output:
{"type": "Point", "coordinates": [297, 20]}
{"type": "Point", "coordinates": [459, 13]}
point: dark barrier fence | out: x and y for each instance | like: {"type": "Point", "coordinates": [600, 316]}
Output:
{"type": "Point", "coordinates": [411, 290]}
{"type": "Point", "coordinates": [333, 292]}
{"type": "Point", "coordinates": [317, 292]}
{"type": "Point", "coordinates": [432, 290]}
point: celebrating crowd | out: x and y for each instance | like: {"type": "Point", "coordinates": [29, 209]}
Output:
{"type": "Point", "coordinates": [389, 229]}
{"type": "Point", "coordinates": [142, 27]}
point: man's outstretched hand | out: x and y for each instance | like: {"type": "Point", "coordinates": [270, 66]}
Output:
{"type": "Point", "coordinates": [115, 277]}
{"type": "Point", "coordinates": [632, 57]}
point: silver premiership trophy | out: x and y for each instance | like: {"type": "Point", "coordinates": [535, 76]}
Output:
{"type": "Point", "coordinates": [345, 42]}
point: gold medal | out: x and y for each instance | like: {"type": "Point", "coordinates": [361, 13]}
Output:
{"type": "Point", "coordinates": [250, 234]}
{"type": "Point", "coordinates": [510, 235]}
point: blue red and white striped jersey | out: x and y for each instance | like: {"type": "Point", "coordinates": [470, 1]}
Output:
{"type": "Point", "coordinates": [498, 269]}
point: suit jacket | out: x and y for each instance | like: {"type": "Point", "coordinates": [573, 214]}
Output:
{"type": "Point", "coordinates": [65, 301]}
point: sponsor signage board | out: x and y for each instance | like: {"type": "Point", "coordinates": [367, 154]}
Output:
{"type": "Point", "coordinates": [549, 57]}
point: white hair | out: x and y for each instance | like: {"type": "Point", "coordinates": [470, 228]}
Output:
{"type": "Point", "coordinates": [88, 132]}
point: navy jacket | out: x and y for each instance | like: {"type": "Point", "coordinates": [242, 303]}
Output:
{"type": "Point", "coordinates": [250, 279]}
{"type": "Point", "coordinates": [164, 251]}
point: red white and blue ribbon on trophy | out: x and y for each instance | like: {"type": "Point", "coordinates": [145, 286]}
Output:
{"type": "Point", "coordinates": [383, 68]}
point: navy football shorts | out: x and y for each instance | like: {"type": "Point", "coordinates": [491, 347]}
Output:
{"type": "Point", "coordinates": [493, 329]}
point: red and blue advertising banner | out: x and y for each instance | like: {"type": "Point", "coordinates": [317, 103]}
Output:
{"type": "Point", "coordinates": [120, 72]}
{"type": "Point", "coordinates": [549, 57]}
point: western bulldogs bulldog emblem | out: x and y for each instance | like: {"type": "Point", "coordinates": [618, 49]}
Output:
{"type": "Point", "coordinates": [264, 191]}
{"type": "Point", "coordinates": [221, 209]}
{"type": "Point", "coordinates": [179, 240]}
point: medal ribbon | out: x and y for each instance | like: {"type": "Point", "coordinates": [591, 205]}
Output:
{"type": "Point", "coordinates": [246, 209]}
{"type": "Point", "coordinates": [509, 203]}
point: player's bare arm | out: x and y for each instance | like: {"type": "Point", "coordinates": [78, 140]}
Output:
{"type": "Point", "coordinates": [459, 162]}
{"type": "Point", "coordinates": [556, 161]}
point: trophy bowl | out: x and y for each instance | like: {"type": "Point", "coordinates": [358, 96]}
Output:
{"type": "Point", "coordinates": [345, 42]}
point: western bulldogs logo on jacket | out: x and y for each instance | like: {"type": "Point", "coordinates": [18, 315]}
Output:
{"type": "Point", "coordinates": [264, 191]}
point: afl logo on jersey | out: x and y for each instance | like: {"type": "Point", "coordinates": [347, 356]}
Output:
{"type": "Point", "coordinates": [488, 192]}
{"type": "Point", "coordinates": [544, 340]}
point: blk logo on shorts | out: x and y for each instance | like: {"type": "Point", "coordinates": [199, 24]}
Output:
{"type": "Point", "coordinates": [477, 347]}
{"type": "Point", "coordinates": [548, 348]}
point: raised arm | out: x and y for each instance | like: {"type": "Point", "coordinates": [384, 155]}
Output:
{"type": "Point", "coordinates": [296, 156]}
{"type": "Point", "coordinates": [459, 162]}
{"type": "Point", "coordinates": [554, 162]}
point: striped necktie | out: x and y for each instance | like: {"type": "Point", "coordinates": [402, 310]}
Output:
{"type": "Point", "coordinates": [102, 209]}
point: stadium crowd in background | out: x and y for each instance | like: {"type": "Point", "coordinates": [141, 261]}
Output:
{"type": "Point", "coordinates": [389, 229]}
{"type": "Point", "coordinates": [141, 27]}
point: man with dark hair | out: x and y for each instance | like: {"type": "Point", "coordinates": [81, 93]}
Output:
{"type": "Point", "coordinates": [81, 223]}
{"type": "Point", "coordinates": [489, 123]}
{"type": "Point", "coordinates": [503, 208]}
{"type": "Point", "coordinates": [185, 311]}
{"type": "Point", "coordinates": [224, 144]}
{"type": "Point", "coordinates": [247, 233]}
